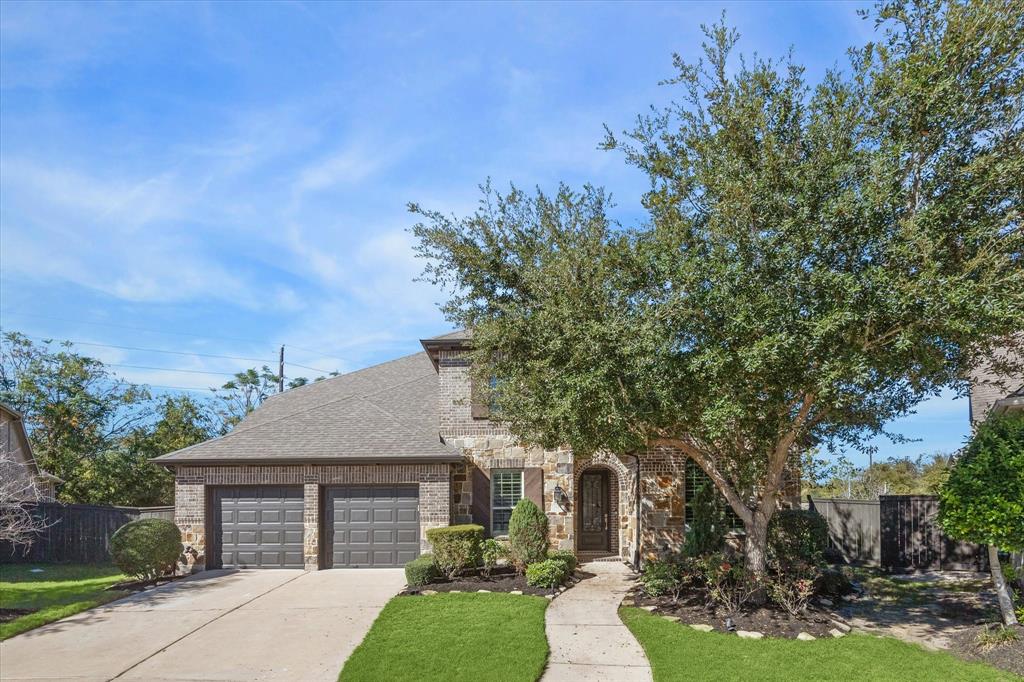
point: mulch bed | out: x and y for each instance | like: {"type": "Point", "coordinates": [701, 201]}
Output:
{"type": "Point", "coordinates": [1009, 656]}
{"type": "Point", "coordinates": [7, 615]}
{"type": "Point", "coordinates": [693, 609]}
{"type": "Point", "coordinates": [502, 579]}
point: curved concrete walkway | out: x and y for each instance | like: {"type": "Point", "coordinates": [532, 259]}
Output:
{"type": "Point", "coordinates": [587, 639]}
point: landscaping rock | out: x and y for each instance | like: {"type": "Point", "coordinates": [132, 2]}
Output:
{"type": "Point", "coordinates": [672, 618]}
{"type": "Point", "coordinates": [746, 634]}
{"type": "Point", "coordinates": [806, 637]}
{"type": "Point", "coordinates": [825, 601]}
{"type": "Point", "coordinates": [427, 593]}
{"type": "Point", "coordinates": [487, 591]}
{"type": "Point", "coordinates": [836, 633]}
{"type": "Point", "coordinates": [454, 591]}
{"type": "Point", "coordinates": [648, 608]}
{"type": "Point", "coordinates": [516, 592]}
{"type": "Point", "coordinates": [840, 625]}
{"type": "Point", "coordinates": [703, 627]}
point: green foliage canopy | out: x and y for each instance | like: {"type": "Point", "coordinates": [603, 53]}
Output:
{"type": "Point", "coordinates": [983, 500]}
{"type": "Point", "coordinates": [818, 259]}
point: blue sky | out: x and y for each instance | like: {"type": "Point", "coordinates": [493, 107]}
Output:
{"type": "Point", "coordinates": [235, 175]}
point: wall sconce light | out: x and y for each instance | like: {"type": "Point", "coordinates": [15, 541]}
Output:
{"type": "Point", "coordinates": [561, 499]}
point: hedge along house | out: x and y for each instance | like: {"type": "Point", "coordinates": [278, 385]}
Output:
{"type": "Point", "coordinates": [351, 471]}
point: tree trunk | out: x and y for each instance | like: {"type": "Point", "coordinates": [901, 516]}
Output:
{"type": "Point", "coordinates": [756, 553]}
{"type": "Point", "coordinates": [1002, 590]}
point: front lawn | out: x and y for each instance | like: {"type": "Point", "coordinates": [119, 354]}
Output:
{"type": "Point", "coordinates": [460, 636]}
{"type": "Point", "coordinates": [677, 652]}
{"type": "Point", "coordinates": [58, 591]}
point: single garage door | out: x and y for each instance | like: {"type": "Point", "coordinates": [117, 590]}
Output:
{"type": "Point", "coordinates": [371, 526]}
{"type": "Point", "coordinates": [258, 526]}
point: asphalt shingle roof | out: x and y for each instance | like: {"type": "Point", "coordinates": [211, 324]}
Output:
{"type": "Point", "coordinates": [381, 413]}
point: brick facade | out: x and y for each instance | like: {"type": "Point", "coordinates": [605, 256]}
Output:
{"type": "Point", "coordinates": [446, 490]}
{"type": "Point", "coordinates": [190, 496]}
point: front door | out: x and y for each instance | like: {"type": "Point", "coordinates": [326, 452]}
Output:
{"type": "Point", "coordinates": [594, 523]}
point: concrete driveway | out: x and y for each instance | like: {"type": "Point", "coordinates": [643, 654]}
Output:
{"type": "Point", "coordinates": [218, 625]}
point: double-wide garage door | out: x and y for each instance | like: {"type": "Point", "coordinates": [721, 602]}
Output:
{"type": "Point", "coordinates": [361, 526]}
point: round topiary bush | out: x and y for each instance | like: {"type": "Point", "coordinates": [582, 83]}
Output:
{"type": "Point", "coordinates": [147, 548]}
{"type": "Point", "coordinates": [421, 571]}
{"type": "Point", "coordinates": [548, 573]}
{"type": "Point", "coordinates": [566, 556]}
{"type": "Point", "coordinates": [527, 534]}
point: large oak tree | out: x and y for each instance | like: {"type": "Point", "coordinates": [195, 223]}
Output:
{"type": "Point", "coordinates": [817, 260]}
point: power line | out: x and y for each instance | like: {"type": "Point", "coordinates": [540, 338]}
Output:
{"type": "Point", "coordinates": [181, 388]}
{"type": "Point", "coordinates": [157, 350]}
{"type": "Point", "coordinates": [170, 369]}
{"type": "Point", "coordinates": [295, 364]}
{"type": "Point", "coordinates": [175, 352]}
{"type": "Point", "coordinates": [171, 333]}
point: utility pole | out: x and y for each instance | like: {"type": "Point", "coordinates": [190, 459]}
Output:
{"type": "Point", "coordinates": [280, 371]}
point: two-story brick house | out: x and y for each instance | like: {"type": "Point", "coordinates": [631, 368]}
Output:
{"type": "Point", "coordinates": [351, 472]}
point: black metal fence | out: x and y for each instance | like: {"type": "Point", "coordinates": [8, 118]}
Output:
{"type": "Point", "coordinates": [76, 533]}
{"type": "Point", "coordinates": [896, 532]}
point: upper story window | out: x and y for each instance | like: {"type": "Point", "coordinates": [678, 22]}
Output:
{"type": "Point", "coordinates": [695, 479]}
{"type": "Point", "coordinates": [506, 491]}
{"type": "Point", "coordinates": [483, 400]}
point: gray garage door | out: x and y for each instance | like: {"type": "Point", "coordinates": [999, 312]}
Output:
{"type": "Point", "coordinates": [258, 526]}
{"type": "Point", "coordinates": [369, 526]}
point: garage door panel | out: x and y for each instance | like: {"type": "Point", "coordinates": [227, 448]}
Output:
{"type": "Point", "coordinates": [259, 526]}
{"type": "Point", "coordinates": [368, 526]}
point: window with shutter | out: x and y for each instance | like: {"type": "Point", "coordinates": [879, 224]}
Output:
{"type": "Point", "coordinates": [506, 491]}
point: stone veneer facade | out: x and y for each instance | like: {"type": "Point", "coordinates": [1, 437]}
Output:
{"type": "Point", "coordinates": [487, 445]}
{"type": "Point", "coordinates": [446, 490]}
{"type": "Point", "coordinates": [190, 487]}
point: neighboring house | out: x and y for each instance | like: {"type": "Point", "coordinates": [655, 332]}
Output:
{"type": "Point", "coordinates": [994, 393]}
{"type": "Point", "coordinates": [15, 445]}
{"type": "Point", "coordinates": [351, 472]}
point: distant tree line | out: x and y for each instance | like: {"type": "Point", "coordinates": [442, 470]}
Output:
{"type": "Point", "coordinates": [98, 432]}
{"type": "Point", "coordinates": [923, 475]}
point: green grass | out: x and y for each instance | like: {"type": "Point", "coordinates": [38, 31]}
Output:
{"type": "Point", "coordinates": [680, 653]}
{"type": "Point", "coordinates": [61, 590]}
{"type": "Point", "coordinates": [445, 637]}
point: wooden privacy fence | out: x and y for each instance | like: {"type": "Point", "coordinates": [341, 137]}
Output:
{"type": "Point", "coordinates": [77, 533]}
{"type": "Point", "coordinates": [896, 532]}
{"type": "Point", "coordinates": [854, 528]}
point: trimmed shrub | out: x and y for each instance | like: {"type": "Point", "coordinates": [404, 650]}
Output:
{"type": "Point", "coordinates": [491, 552]}
{"type": "Point", "coordinates": [456, 547]}
{"type": "Point", "coordinates": [527, 534]}
{"type": "Point", "coordinates": [797, 536]}
{"type": "Point", "coordinates": [146, 549]}
{"type": "Point", "coordinates": [566, 556]}
{"type": "Point", "coordinates": [661, 577]}
{"type": "Point", "coordinates": [421, 571]}
{"type": "Point", "coordinates": [548, 573]}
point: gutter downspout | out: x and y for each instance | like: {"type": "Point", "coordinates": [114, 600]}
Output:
{"type": "Point", "coordinates": [636, 497]}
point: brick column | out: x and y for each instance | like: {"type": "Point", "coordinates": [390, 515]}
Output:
{"type": "Point", "coordinates": [311, 526]}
